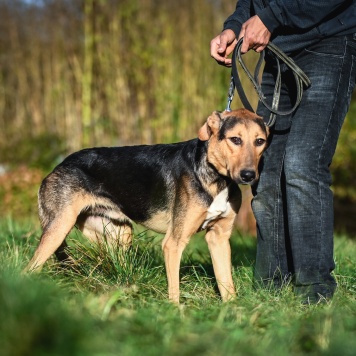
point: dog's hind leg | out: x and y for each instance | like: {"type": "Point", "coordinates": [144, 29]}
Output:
{"type": "Point", "coordinates": [118, 233]}
{"type": "Point", "coordinates": [52, 238]}
{"type": "Point", "coordinates": [55, 232]}
{"type": "Point", "coordinates": [99, 228]}
{"type": "Point", "coordinates": [218, 239]}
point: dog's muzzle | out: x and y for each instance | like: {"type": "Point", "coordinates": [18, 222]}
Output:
{"type": "Point", "coordinates": [247, 176]}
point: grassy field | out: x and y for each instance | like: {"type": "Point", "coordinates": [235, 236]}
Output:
{"type": "Point", "coordinates": [111, 303]}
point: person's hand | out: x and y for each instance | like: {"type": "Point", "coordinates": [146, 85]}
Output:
{"type": "Point", "coordinates": [222, 45]}
{"type": "Point", "coordinates": [256, 35]}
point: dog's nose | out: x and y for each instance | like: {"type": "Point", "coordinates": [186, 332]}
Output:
{"type": "Point", "coordinates": [247, 176]}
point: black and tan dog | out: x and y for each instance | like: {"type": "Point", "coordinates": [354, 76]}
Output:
{"type": "Point", "coordinates": [176, 189]}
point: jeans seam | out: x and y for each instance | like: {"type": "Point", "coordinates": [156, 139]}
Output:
{"type": "Point", "coordinates": [278, 201]}
{"type": "Point", "coordinates": [319, 166]}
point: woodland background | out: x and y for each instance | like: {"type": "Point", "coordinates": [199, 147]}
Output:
{"type": "Point", "coordinates": [77, 73]}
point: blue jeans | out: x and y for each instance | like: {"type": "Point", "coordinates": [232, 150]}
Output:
{"type": "Point", "coordinates": [293, 203]}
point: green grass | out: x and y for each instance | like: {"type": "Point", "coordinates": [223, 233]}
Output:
{"type": "Point", "coordinates": [114, 303]}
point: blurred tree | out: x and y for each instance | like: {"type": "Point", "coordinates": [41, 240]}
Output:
{"type": "Point", "coordinates": [104, 72]}
{"type": "Point", "coordinates": [75, 73]}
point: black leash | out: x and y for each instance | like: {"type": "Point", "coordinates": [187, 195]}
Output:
{"type": "Point", "coordinates": [300, 77]}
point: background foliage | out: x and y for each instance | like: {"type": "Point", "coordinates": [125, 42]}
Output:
{"type": "Point", "coordinates": [109, 72]}
{"type": "Point", "coordinates": [77, 73]}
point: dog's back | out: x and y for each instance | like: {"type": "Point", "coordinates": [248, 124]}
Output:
{"type": "Point", "coordinates": [139, 180]}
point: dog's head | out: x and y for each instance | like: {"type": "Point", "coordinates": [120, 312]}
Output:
{"type": "Point", "coordinates": [237, 140]}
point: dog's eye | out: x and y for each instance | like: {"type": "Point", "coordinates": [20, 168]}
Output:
{"type": "Point", "coordinates": [260, 141]}
{"type": "Point", "coordinates": [236, 140]}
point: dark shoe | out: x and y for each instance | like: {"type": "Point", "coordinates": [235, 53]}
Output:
{"type": "Point", "coordinates": [315, 294]}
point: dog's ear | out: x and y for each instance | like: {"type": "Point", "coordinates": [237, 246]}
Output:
{"type": "Point", "coordinates": [204, 132]}
{"type": "Point", "coordinates": [211, 126]}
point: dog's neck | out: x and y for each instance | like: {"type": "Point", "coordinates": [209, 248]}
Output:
{"type": "Point", "coordinates": [210, 178]}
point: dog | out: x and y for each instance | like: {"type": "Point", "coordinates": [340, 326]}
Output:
{"type": "Point", "coordinates": [177, 189]}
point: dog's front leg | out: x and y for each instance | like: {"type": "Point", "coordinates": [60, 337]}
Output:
{"type": "Point", "coordinates": [184, 224]}
{"type": "Point", "coordinates": [172, 251]}
{"type": "Point", "coordinates": [218, 239]}
{"type": "Point", "coordinates": [188, 214]}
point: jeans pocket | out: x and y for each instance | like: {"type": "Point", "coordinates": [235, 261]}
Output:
{"type": "Point", "coordinates": [351, 41]}
{"type": "Point", "coordinates": [329, 47]}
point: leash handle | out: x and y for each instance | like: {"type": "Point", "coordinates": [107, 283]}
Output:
{"type": "Point", "coordinates": [301, 79]}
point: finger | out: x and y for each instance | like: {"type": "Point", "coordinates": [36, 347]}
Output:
{"type": "Point", "coordinates": [245, 46]}
{"type": "Point", "coordinates": [245, 43]}
{"type": "Point", "coordinates": [259, 48]}
{"type": "Point", "coordinates": [214, 48]}
{"type": "Point", "coordinates": [217, 57]}
{"type": "Point", "coordinates": [226, 62]}
{"type": "Point", "coordinates": [241, 35]}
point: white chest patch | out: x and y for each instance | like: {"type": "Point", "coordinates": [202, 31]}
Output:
{"type": "Point", "coordinates": [219, 208]}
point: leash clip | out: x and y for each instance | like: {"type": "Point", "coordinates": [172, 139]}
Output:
{"type": "Point", "coordinates": [230, 94]}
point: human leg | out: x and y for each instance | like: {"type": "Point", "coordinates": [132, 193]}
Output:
{"type": "Point", "coordinates": [293, 205]}
{"type": "Point", "coordinates": [312, 140]}
{"type": "Point", "coordinates": [269, 202]}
